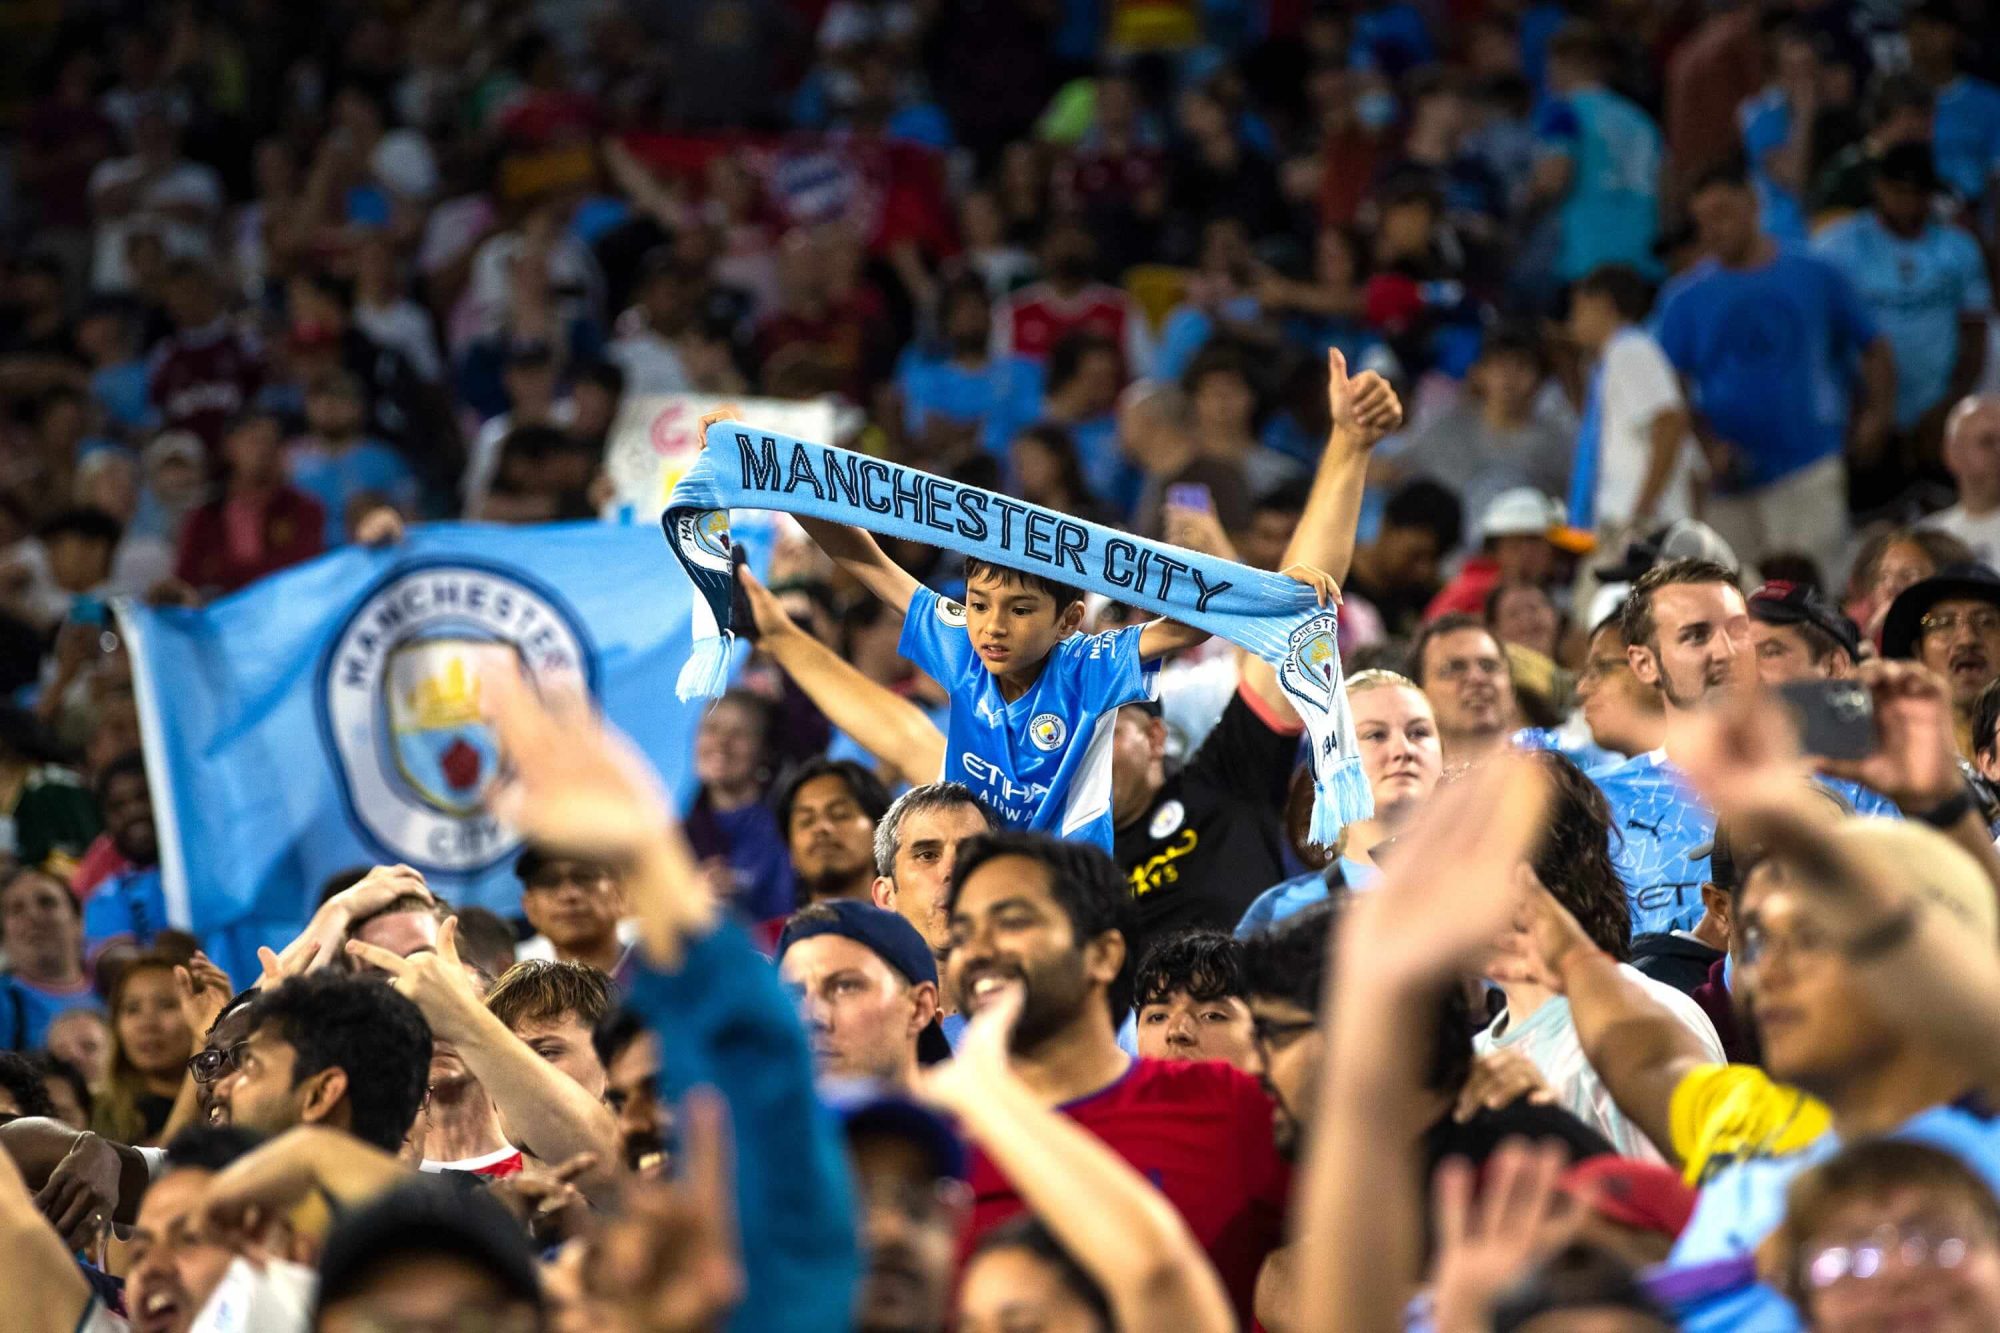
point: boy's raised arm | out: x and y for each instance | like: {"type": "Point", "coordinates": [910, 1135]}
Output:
{"type": "Point", "coordinates": [857, 553]}
{"type": "Point", "coordinates": [854, 549]}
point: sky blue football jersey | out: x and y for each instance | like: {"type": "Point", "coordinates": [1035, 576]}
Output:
{"type": "Point", "coordinates": [1657, 821]}
{"type": "Point", "coordinates": [1043, 761]}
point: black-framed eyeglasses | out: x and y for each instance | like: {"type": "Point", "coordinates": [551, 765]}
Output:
{"type": "Point", "coordinates": [208, 1066]}
{"type": "Point", "coordinates": [1272, 1034]}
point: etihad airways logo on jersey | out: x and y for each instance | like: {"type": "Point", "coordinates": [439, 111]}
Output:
{"type": "Point", "coordinates": [999, 783]}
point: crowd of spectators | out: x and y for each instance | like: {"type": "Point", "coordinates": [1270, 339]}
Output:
{"type": "Point", "coordinates": [1627, 366]}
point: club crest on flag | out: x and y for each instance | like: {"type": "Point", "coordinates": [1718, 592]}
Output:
{"type": "Point", "coordinates": [402, 701]}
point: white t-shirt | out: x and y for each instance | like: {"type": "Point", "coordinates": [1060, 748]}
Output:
{"type": "Point", "coordinates": [1548, 1038]}
{"type": "Point", "coordinates": [1639, 384]}
{"type": "Point", "coordinates": [1982, 534]}
{"type": "Point", "coordinates": [185, 184]}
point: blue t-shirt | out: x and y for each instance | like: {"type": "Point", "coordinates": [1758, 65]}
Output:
{"type": "Point", "coordinates": [1919, 288]}
{"type": "Point", "coordinates": [123, 391]}
{"type": "Point", "coordinates": [758, 861]}
{"type": "Point", "coordinates": [1001, 399]}
{"type": "Point", "coordinates": [334, 479]}
{"type": "Point", "coordinates": [1290, 897]}
{"type": "Point", "coordinates": [1765, 122]}
{"type": "Point", "coordinates": [1044, 760]}
{"type": "Point", "coordinates": [1744, 1203]}
{"type": "Point", "coordinates": [128, 906]}
{"type": "Point", "coordinates": [1611, 211]}
{"type": "Point", "coordinates": [29, 1009]}
{"type": "Point", "coordinates": [1768, 351]}
{"type": "Point", "coordinates": [1965, 135]}
{"type": "Point", "coordinates": [1658, 821]}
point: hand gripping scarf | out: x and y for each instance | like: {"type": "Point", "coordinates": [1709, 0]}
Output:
{"type": "Point", "coordinates": [1270, 615]}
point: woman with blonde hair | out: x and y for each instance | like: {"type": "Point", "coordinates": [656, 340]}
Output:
{"type": "Point", "coordinates": [150, 1046]}
{"type": "Point", "coordinates": [1401, 755]}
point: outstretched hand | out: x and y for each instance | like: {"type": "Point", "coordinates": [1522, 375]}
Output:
{"type": "Point", "coordinates": [1915, 763]}
{"type": "Point", "coordinates": [1324, 588]}
{"type": "Point", "coordinates": [1491, 1233]}
{"type": "Point", "coordinates": [767, 613]}
{"type": "Point", "coordinates": [1452, 889]}
{"type": "Point", "coordinates": [203, 990]}
{"type": "Point", "coordinates": [571, 779]}
{"type": "Point", "coordinates": [982, 1055]}
{"type": "Point", "coordinates": [435, 982]}
{"type": "Point", "coordinates": [725, 412]}
{"type": "Point", "coordinates": [1363, 408]}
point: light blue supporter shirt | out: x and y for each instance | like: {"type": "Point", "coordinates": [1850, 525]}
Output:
{"type": "Point", "coordinates": [1709, 1280]}
{"type": "Point", "coordinates": [1765, 122]}
{"type": "Point", "coordinates": [334, 478]}
{"type": "Point", "coordinates": [1965, 135]}
{"type": "Point", "coordinates": [1767, 351]}
{"type": "Point", "coordinates": [1658, 821]}
{"type": "Point", "coordinates": [1042, 761]}
{"type": "Point", "coordinates": [1919, 287]}
{"type": "Point", "coordinates": [1610, 213]}
{"type": "Point", "coordinates": [1001, 398]}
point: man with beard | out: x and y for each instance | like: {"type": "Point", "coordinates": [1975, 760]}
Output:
{"type": "Point", "coordinates": [828, 811]}
{"type": "Point", "coordinates": [130, 908]}
{"type": "Point", "coordinates": [631, 1059]}
{"type": "Point", "coordinates": [909, 1175]}
{"type": "Point", "coordinates": [1688, 637]}
{"type": "Point", "coordinates": [1052, 916]}
{"type": "Point", "coordinates": [1462, 669]}
{"type": "Point", "coordinates": [867, 989]}
{"type": "Point", "coordinates": [1951, 623]}
{"type": "Point", "coordinates": [333, 1050]}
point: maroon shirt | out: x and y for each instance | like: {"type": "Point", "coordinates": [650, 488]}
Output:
{"type": "Point", "coordinates": [200, 378]}
{"type": "Point", "coordinates": [293, 530]}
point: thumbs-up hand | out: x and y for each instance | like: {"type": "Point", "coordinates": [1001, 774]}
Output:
{"type": "Point", "coordinates": [1363, 408]}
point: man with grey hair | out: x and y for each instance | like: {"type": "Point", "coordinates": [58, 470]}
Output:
{"type": "Point", "coordinates": [1972, 456]}
{"type": "Point", "coordinates": [916, 844]}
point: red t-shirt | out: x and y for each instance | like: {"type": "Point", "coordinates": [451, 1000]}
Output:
{"type": "Point", "coordinates": [1036, 318]}
{"type": "Point", "coordinates": [1201, 1133]}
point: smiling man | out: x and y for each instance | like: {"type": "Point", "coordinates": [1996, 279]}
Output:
{"type": "Point", "coordinates": [1051, 916]}
{"type": "Point", "coordinates": [1951, 623]}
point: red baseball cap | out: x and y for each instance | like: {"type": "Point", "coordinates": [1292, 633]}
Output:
{"type": "Point", "coordinates": [1642, 1195]}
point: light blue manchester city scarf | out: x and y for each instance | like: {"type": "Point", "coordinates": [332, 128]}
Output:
{"type": "Point", "coordinates": [1272, 616]}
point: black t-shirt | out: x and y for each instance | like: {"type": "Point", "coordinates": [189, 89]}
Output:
{"type": "Point", "coordinates": [1213, 838]}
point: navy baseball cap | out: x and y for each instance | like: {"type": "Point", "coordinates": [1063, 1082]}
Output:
{"type": "Point", "coordinates": [1782, 603]}
{"type": "Point", "coordinates": [868, 1108]}
{"type": "Point", "coordinates": [892, 938]}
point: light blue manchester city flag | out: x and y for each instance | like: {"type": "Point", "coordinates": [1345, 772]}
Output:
{"type": "Point", "coordinates": [329, 717]}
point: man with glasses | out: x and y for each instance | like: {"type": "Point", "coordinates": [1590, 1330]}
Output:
{"type": "Point", "coordinates": [1461, 668]}
{"type": "Point", "coordinates": [1951, 623]}
{"type": "Point", "coordinates": [909, 1175]}
{"type": "Point", "coordinates": [578, 911]}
